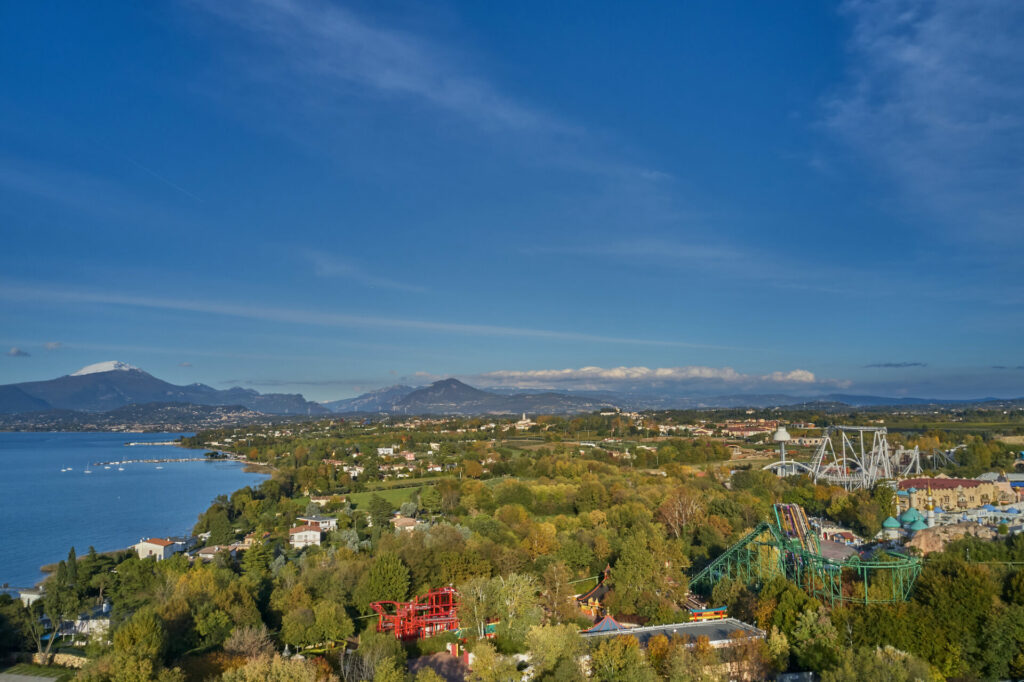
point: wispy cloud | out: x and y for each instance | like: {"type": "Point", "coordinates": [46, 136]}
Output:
{"type": "Point", "coordinates": [330, 266]}
{"type": "Point", "coordinates": [686, 254]}
{"type": "Point", "coordinates": [313, 39]}
{"type": "Point", "coordinates": [1010, 367]}
{"type": "Point", "coordinates": [936, 96]}
{"type": "Point", "coordinates": [320, 318]}
{"type": "Point", "coordinates": [896, 365]}
{"type": "Point", "coordinates": [16, 352]}
{"type": "Point", "coordinates": [330, 57]}
{"type": "Point", "coordinates": [83, 194]}
{"type": "Point", "coordinates": [184, 364]}
{"type": "Point", "coordinates": [52, 345]}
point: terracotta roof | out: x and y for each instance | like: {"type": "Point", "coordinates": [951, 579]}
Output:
{"type": "Point", "coordinates": [302, 529]}
{"type": "Point", "coordinates": [939, 483]}
{"type": "Point", "coordinates": [213, 549]}
{"type": "Point", "coordinates": [159, 541]}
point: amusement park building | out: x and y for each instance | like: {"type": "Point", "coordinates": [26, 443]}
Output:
{"type": "Point", "coordinates": [950, 493]}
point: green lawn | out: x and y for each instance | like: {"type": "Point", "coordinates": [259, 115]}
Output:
{"type": "Point", "coordinates": [41, 671]}
{"type": "Point", "coordinates": [405, 482]}
{"type": "Point", "coordinates": [395, 496]}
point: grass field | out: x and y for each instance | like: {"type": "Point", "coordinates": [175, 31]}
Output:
{"type": "Point", "coordinates": [396, 496]}
{"type": "Point", "coordinates": [405, 482]}
{"type": "Point", "coordinates": [40, 671]}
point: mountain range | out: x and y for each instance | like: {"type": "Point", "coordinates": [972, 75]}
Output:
{"type": "Point", "coordinates": [109, 385]}
{"type": "Point", "coordinates": [451, 396]}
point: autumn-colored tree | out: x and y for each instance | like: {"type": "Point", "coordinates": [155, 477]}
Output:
{"type": "Point", "coordinates": [557, 596]}
{"type": "Point", "coordinates": [279, 669]}
{"type": "Point", "coordinates": [490, 666]}
{"type": "Point", "coordinates": [680, 508]}
{"type": "Point", "coordinates": [478, 603]}
{"type": "Point", "coordinates": [249, 642]}
{"type": "Point", "coordinates": [554, 652]}
{"type": "Point", "coordinates": [619, 659]}
{"type": "Point", "coordinates": [541, 539]}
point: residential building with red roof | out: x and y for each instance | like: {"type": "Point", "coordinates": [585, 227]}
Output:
{"type": "Point", "coordinates": [303, 536]}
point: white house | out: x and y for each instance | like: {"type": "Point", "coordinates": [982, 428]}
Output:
{"type": "Point", "coordinates": [208, 554]}
{"type": "Point", "coordinates": [161, 548]}
{"type": "Point", "coordinates": [303, 536]}
{"type": "Point", "coordinates": [324, 523]}
{"type": "Point", "coordinates": [354, 471]}
{"type": "Point", "coordinates": [381, 452]}
{"type": "Point", "coordinates": [29, 597]}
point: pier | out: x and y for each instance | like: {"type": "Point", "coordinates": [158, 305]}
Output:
{"type": "Point", "coordinates": [164, 460]}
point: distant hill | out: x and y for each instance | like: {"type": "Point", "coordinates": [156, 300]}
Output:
{"type": "Point", "coordinates": [13, 399]}
{"type": "Point", "coordinates": [108, 385]}
{"type": "Point", "coordinates": [454, 397]}
{"type": "Point", "coordinates": [146, 417]}
{"type": "Point", "coordinates": [451, 396]}
{"type": "Point", "coordinates": [381, 400]}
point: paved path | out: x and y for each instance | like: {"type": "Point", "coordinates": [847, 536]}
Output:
{"type": "Point", "coordinates": [12, 677]}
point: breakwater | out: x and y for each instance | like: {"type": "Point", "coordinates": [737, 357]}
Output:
{"type": "Point", "coordinates": [163, 460]}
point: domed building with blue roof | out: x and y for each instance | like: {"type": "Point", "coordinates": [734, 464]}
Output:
{"type": "Point", "coordinates": [910, 516]}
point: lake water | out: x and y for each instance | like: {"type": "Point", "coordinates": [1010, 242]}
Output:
{"type": "Point", "coordinates": [44, 511]}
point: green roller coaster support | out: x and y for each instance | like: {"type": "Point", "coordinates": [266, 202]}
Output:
{"type": "Point", "coordinates": [769, 551]}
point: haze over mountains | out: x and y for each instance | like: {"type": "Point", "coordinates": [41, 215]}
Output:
{"type": "Point", "coordinates": [112, 386]}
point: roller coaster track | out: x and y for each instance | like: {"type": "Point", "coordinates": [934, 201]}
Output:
{"type": "Point", "coordinates": [789, 548]}
{"type": "Point", "coordinates": [845, 458]}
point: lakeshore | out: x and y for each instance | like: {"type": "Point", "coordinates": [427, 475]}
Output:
{"type": "Point", "coordinates": [46, 511]}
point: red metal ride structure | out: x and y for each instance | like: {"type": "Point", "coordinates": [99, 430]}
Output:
{"type": "Point", "coordinates": [431, 614]}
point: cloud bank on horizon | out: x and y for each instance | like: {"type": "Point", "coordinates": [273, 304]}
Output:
{"type": "Point", "coordinates": [601, 377]}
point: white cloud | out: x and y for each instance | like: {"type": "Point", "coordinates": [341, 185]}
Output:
{"type": "Point", "coordinates": [936, 96]}
{"type": "Point", "coordinates": [16, 352]}
{"type": "Point", "coordinates": [614, 375]}
{"type": "Point", "coordinates": [797, 376]}
{"type": "Point", "coordinates": [52, 345]}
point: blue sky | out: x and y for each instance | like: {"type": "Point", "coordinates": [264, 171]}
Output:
{"type": "Point", "coordinates": [327, 197]}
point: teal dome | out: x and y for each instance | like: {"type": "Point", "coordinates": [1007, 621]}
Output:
{"type": "Point", "coordinates": [910, 516]}
{"type": "Point", "coordinates": [890, 523]}
{"type": "Point", "coordinates": [918, 525]}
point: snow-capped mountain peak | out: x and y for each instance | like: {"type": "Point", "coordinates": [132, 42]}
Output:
{"type": "Point", "coordinates": [108, 366]}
